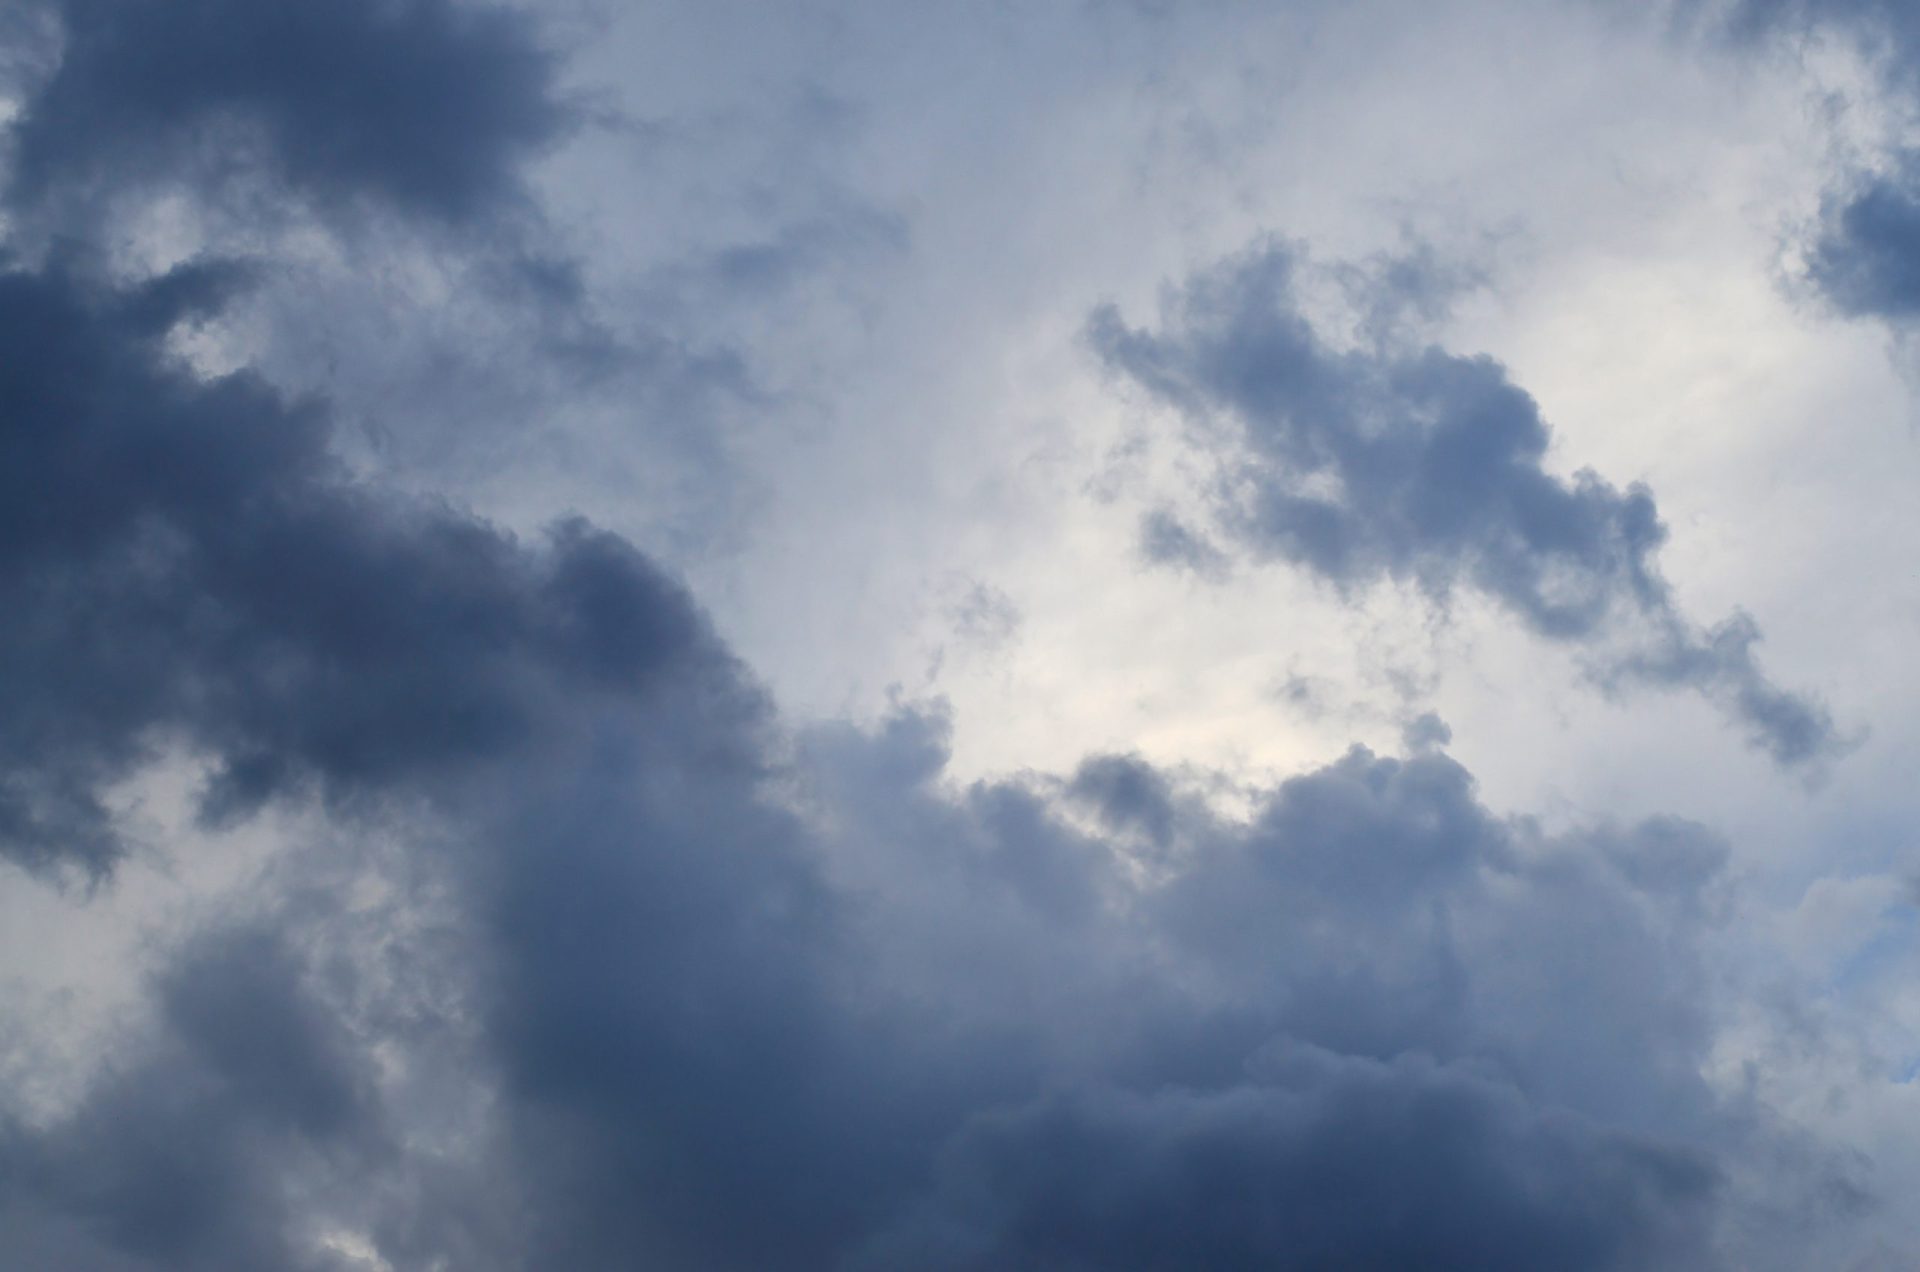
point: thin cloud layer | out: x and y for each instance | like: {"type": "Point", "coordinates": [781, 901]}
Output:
{"type": "Point", "coordinates": [1888, 29]}
{"type": "Point", "coordinates": [183, 1155]}
{"type": "Point", "coordinates": [1396, 461]}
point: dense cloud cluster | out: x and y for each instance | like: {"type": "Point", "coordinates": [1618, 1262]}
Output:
{"type": "Point", "coordinates": [598, 965]}
{"type": "Point", "coordinates": [1288, 1176]}
{"type": "Point", "coordinates": [709, 1031]}
{"type": "Point", "coordinates": [1409, 462]}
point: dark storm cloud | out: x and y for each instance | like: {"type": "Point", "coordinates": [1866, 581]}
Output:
{"type": "Point", "coordinates": [1128, 793]}
{"type": "Point", "coordinates": [728, 1000]}
{"type": "Point", "coordinates": [719, 1028]}
{"type": "Point", "coordinates": [425, 105]}
{"type": "Point", "coordinates": [185, 566]}
{"type": "Point", "coordinates": [1313, 1019]}
{"type": "Point", "coordinates": [1888, 30]}
{"type": "Point", "coordinates": [182, 559]}
{"type": "Point", "coordinates": [654, 984]}
{"type": "Point", "coordinates": [1393, 460]}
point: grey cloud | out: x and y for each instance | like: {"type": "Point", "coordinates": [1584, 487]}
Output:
{"type": "Point", "coordinates": [1391, 460]}
{"type": "Point", "coordinates": [702, 967]}
{"type": "Point", "coordinates": [1371, 906]}
{"type": "Point", "coordinates": [428, 106]}
{"type": "Point", "coordinates": [1129, 793]}
{"type": "Point", "coordinates": [1866, 257]}
{"type": "Point", "coordinates": [1335, 1162]}
{"type": "Point", "coordinates": [1864, 254]}
{"type": "Point", "coordinates": [187, 1151]}
{"type": "Point", "coordinates": [680, 988]}
{"type": "Point", "coordinates": [723, 1029]}
{"type": "Point", "coordinates": [186, 565]}
{"type": "Point", "coordinates": [184, 559]}
{"type": "Point", "coordinates": [1426, 732]}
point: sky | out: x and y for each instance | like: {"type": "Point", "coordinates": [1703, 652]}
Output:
{"type": "Point", "coordinates": [1093, 634]}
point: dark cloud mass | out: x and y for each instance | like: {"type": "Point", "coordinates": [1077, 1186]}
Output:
{"type": "Point", "coordinates": [713, 1038]}
{"type": "Point", "coordinates": [722, 1028]}
{"type": "Point", "coordinates": [1866, 258]}
{"type": "Point", "coordinates": [1889, 30]}
{"type": "Point", "coordinates": [1864, 253]}
{"type": "Point", "coordinates": [183, 1156]}
{"type": "Point", "coordinates": [1336, 1162]}
{"type": "Point", "coordinates": [576, 957]}
{"type": "Point", "coordinates": [184, 559]}
{"type": "Point", "coordinates": [1392, 460]}
{"type": "Point", "coordinates": [426, 105]}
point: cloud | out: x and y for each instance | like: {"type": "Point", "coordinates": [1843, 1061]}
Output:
{"type": "Point", "coordinates": [1865, 258]}
{"type": "Point", "coordinates": [700, 999]}
{"type": "Point", "coordinates": [1888, 29]}
{"type": "Point", "coordinates": [185, 1152]}
{"type": "Point", "coordinates": [701, 966]}
{"type": "Point", "coordinates": [184, 560]}
{"type": "Point", "coordinates": [592, 962]}
{"type": "Point", "coordinates": [1329, 1162]}
{"type": "Point", "coordinates": [1864, 254]}
{"type": "Point", "coordinates": [1394, 460]}
{"type": "Point", "coordinates": [426, 106]}
{"type": "Point", "coordinates": [726, 997]}
{"type": "Point", "coordinates": [711, 1027]}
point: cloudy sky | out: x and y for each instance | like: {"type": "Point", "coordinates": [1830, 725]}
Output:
{"type": "Point", "coordinates": [1061, 636]}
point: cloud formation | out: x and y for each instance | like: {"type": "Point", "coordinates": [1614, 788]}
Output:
{"type": "Point", "coordinates": [187, 562]}
{"type": "Point", "coordinates": [712, 1032]}
{"type": "Point", "coordinates": [1331, 1162]}
{"type": "Point", "coordinates": [700, 966]}
{"type": "Point", "coordinates": [582, 957]}
{"type": "Point", "coordinates": [1393, 460]}
{"type": "Point", "coordinates": [1863, 256]}
{"type": "Point", "coordinates": [426, 106]}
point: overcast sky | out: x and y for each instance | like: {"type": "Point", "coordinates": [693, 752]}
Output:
{"type": "Point", "coordinates": [1090, 634]}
